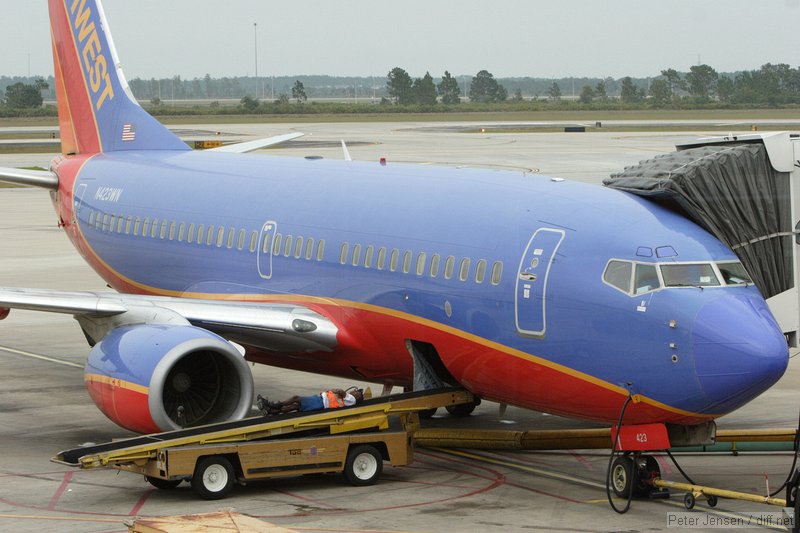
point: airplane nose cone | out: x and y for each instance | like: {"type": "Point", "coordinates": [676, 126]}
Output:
{"type": "Point", "coordinates": [739, 351]}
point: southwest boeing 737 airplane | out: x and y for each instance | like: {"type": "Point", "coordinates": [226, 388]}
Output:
{"type": "Point", "coordinates": [527, 290]}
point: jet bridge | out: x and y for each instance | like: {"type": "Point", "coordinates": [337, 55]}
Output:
{"type": "Point", "coordinates": [745, 190]}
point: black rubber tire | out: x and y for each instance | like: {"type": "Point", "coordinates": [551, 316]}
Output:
{"type": "Point", "coordinates": [712, 500]}
{"type": "Point", "coordinates": [163, 484]}
{"type": "Point", "coordinates": [427, 413]}
{"type": "Point", "coordinates": [213, 477]}
{"type": "Point", "coordinates": [364, 465]}
{"type": "Point", "coordinates": [461, 410]}
{"type": "Point", "coordinates": [688, 500]}
{"type": "Point", "coordinates": [622, 476]}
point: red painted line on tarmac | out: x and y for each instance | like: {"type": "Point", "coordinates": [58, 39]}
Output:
{"type": "Point", "coordinates": [141, 502]}
{"type": "Point", "coordinates": [578, 457]}
{"type": "Point", "coordinates": [531, 489]}
{"type": "Point", "coordinates": [60, 491]}
{"type": "Point", "coordinates": [543, 492]}
{"type": "Point", "coordinates": [309, 500]}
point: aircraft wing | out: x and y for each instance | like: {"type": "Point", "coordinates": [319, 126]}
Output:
{"type": "Point", "coordinates": [36, 178]}
{"type": "Point", "coordinates": [249, 146]}
{"type": "Point", "coordinates": [285, 328]}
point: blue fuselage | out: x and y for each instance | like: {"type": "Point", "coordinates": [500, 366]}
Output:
{"type": "Point", "coordinates": [512, 261]}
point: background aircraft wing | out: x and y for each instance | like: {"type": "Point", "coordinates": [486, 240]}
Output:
{"type": "Point", "coordinates": [284, 328]}
{"type": "Point", "coordinates": [249, 146]}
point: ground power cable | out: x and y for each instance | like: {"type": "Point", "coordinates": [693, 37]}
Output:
{"type": "Point", "coordinates": [614, 450]}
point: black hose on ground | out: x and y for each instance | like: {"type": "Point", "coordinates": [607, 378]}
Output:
{"type": "Point", "coordinates": [611, 462]}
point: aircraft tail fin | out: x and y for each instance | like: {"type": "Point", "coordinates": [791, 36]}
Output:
{"type": "Point", "coordinates": [96, 109]}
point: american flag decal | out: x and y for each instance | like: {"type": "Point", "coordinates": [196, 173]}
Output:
{"type": "Point", "coordinates": [128, 132]}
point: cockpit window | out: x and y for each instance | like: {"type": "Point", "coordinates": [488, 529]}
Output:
{"type": "Point", "coordinates": [618, 274]}
{"type": "Point", "coordinates": [689, 275]}
{"type": "Point", "coordinates": [646, 279]}
{"type": "Point", "coordinates": [734, 273]}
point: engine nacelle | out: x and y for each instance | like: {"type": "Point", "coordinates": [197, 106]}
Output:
{"type": "Point", "coordinates": [153, 378]}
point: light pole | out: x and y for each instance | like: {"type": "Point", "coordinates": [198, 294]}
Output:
{"type": "Point", "coordinates": [255, 44]}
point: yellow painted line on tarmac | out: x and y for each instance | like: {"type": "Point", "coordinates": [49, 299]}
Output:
{"type": "Point", "coordinates": [40, 357]}
{"type": "Point", "coordinates": [732, 516]}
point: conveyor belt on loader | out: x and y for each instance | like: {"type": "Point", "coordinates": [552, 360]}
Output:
{"type": "Point", "coordinates": [372, 413]}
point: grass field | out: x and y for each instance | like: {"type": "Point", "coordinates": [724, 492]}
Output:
{"type": "Point", "coordinates": [509, 116]}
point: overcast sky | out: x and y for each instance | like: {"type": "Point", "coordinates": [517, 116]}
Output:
{"type": "Point", "coordinates": [162, 38]}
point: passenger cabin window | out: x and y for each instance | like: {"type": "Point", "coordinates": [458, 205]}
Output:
{"type": "Point", "coordinates": [163, 232]}
{"type": "Point", "coordinates": [689, 275]}
{"type": "Point", "coordinates": [394, 260]}
{"type": "Point", "coordinates": [287, 246]}
{"type": "Point", "coordinates": [368, 255]}
{"type": "Point", "coordinates": [356, 254]}
{"type": "Point", "coordinates": [298, 248]}
{"type": "Point", "coordinates": [407, 261]}
{"type": "Point", "coordinates": [449, 266]}
{"type": "Point", "coordinates": [463, 271]}
{"type": "Point", "coordinates": [172, 231]}
{"type": "Point", "coordinates": [435, 263]}
{"type": "Point", "coordinates": [190, 234]}
{"type": "Point", "coordinates": [220, 236]}
{"type": "Point", "coordinates": [210, 235]}
{"type": "Point", "coordinates": [321, 250]}
{"type": "Point", "coordinates": [381, 258]}
{"type": "Point", "coordinates": [128, 222]}
{"type": "Point", "coordinates": [253, 241]}
{"type": "Point", "coordinates": [309, 248]}
{"type": "Point", "coordinates": [421, 262]}
{"type": "Point", "coordinates": [497, 273]}
{"type": "Point", "coordinates": [646, 279]}
{"type": "Point", "coordinates": [136, 224]}
{"type": "Point", "coordinates": [276, 244]}
{"type": "Point", "coordinates": [618, 275]}
{"type": "Point", "coordinates": [734, 273]}
{"type": "Point", "coordinates": [480, 271]}
{"type": "Point", "coordinates": [229, 240]}
{"type": "Point", "coordinates": [343, 253]}
{"type": "Point", "coordinates": [240, 240]}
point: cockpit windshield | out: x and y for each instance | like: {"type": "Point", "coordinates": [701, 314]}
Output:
{"type": "Point", "coordinates": [634, 278]}
{"type": "Point", "coordinates": [692, 275]}
{"type": "Point", "coordinates": [734, 273]}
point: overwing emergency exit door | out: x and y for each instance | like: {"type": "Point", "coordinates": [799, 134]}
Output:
{"type": "Point", "coordinates": [531, 292]}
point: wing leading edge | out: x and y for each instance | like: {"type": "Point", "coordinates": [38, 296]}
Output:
{"type": "Point", "coordinates": [282, 328]}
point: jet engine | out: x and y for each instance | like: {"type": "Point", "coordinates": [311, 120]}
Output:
{"type": "Point", "coordinates": [156, 377]}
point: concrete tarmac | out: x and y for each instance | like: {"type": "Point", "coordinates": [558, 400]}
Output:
{"type": "Point", "coordinates": [44, 407]}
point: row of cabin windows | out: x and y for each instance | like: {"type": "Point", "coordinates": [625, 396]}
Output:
{"type": "Point", "coordinates": [372, 258]}
{"type": "Point", "coordinates": [297, 247]}
{"type": "Point", "coordinates": [210, 235]}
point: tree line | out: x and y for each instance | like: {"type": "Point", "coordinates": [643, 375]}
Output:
{"type": "Point", "coordinates": [701, 86]}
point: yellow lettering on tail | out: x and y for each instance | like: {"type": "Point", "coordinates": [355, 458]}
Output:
{"type": "Point", "coordinates": [95, 63]}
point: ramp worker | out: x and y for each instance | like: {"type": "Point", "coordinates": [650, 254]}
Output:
{"type": "Point", "coordinates": [329, 399]}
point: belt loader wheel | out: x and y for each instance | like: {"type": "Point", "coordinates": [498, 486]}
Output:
{"type": "Point", "coordinates": [364, 465]}
{"type": "Point", "coordinates": [213, 477]}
